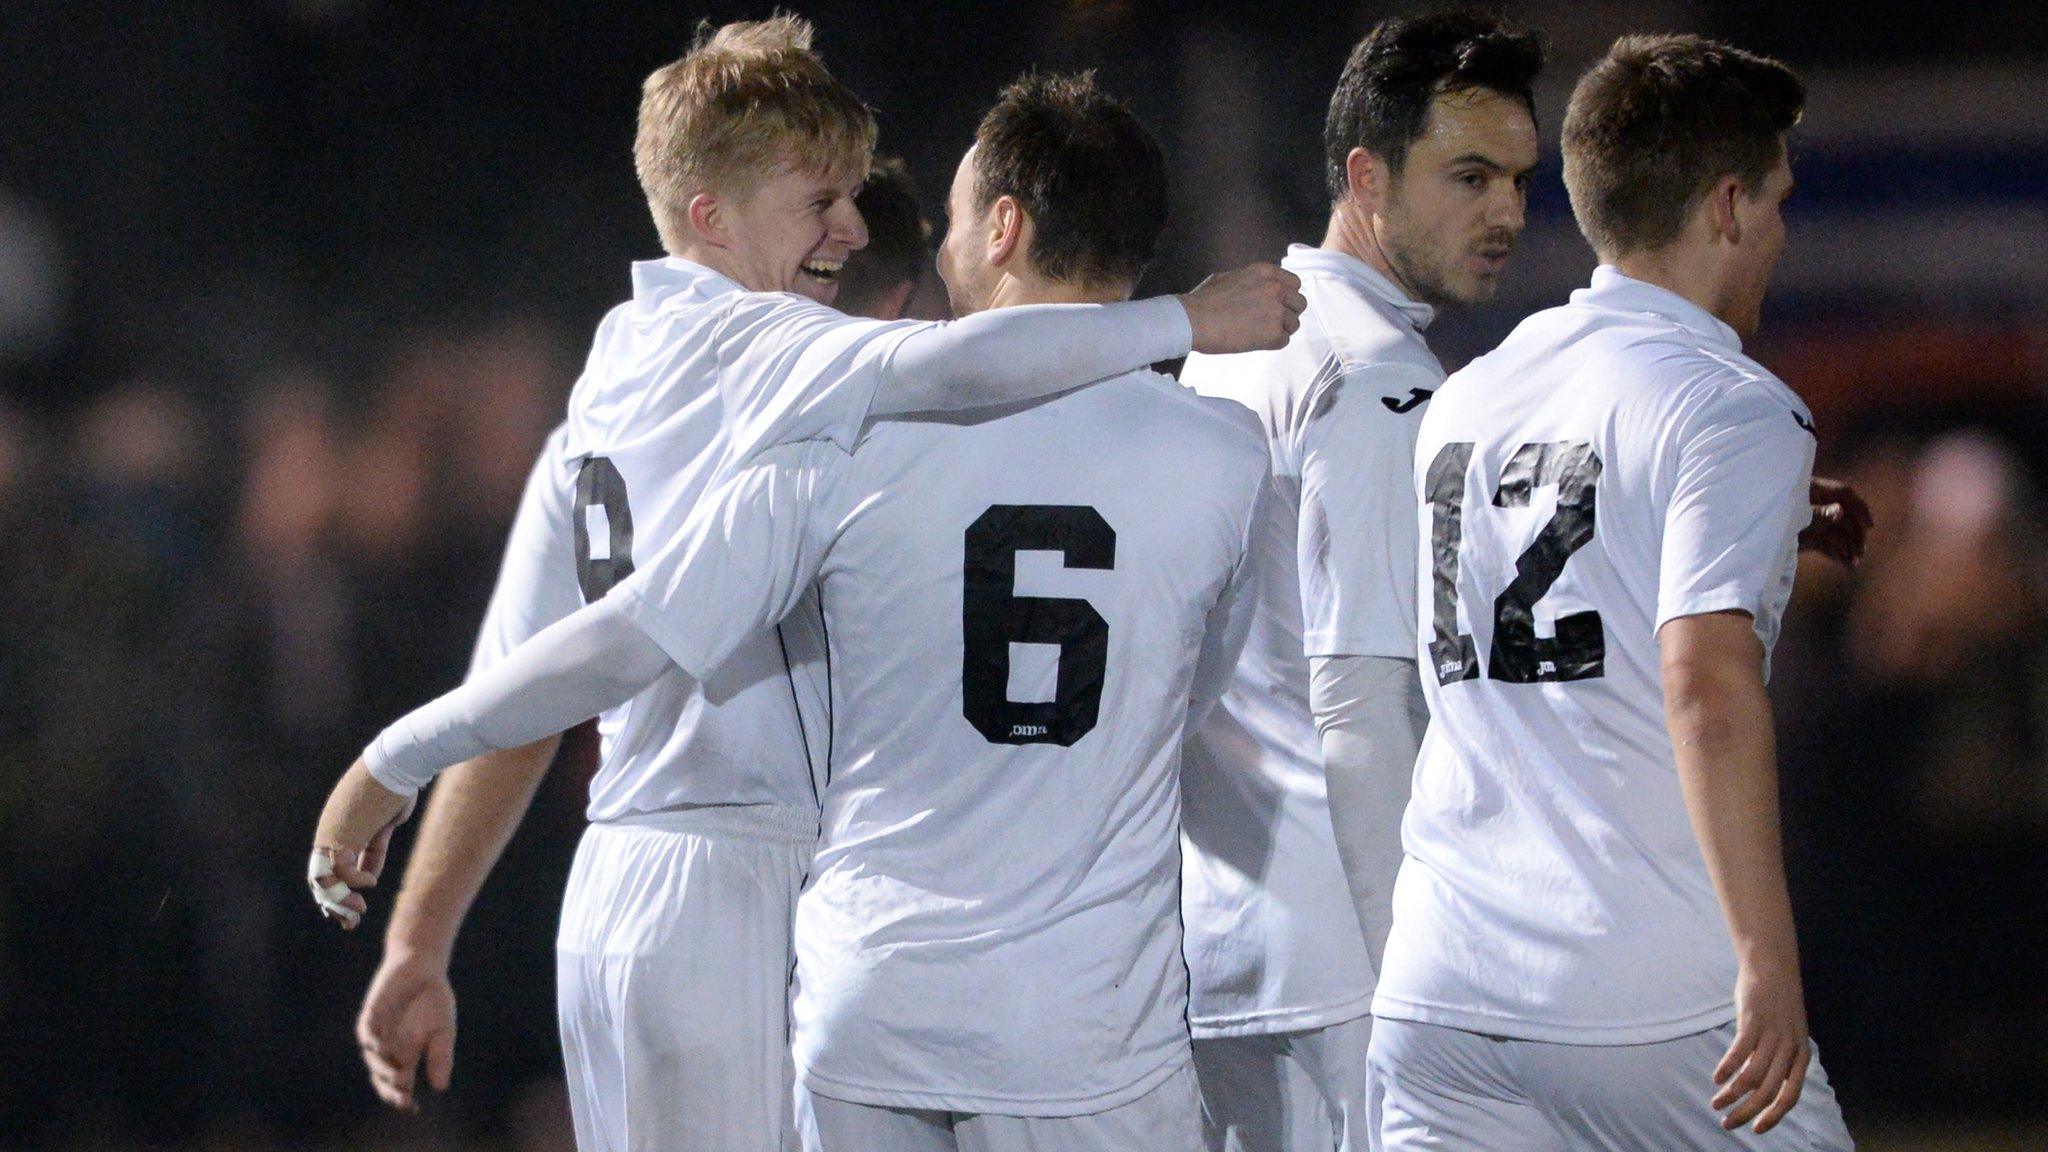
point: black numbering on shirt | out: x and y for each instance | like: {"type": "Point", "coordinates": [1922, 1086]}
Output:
{"type": "Point", "coordinates": [993, 617]}
{"type": "Point", "coordinates": [1578, 650]}
{"type": "Point", "coordinates": [599, 486]}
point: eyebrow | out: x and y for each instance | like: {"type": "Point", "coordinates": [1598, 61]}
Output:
{"type": "Point", "coordinates": [1484, 161]}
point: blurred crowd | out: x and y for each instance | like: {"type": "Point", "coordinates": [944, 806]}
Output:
{"type": "Point", "coordinates": [207, 610]}
{"type": "Point", "coordinates": [1912, 698]}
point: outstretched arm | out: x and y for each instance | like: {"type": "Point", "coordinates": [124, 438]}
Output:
{"type": "Point", "coordinates": [573, 670]}
{"type": "Point", "coordinates": [1010, 355]}
{"type": "Point", "coordinates": [792, 371]}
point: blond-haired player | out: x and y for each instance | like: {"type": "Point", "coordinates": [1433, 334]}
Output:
{"type": "Point", "coordinates": [673, 954]}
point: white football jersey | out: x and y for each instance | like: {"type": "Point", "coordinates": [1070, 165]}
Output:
{"type": "Point", "coordinates": [691, 376]}
{"type": "Point", "coordinates": [537, 575]}
{"type": "Point", "coordinates": [1019, 610]}
{"type": "Point", "coordinates": [1616, 463]}
{"type": "Point", "coordinates": [643, 441]}
{"type": "Point", "coordinates": [1273, 942]}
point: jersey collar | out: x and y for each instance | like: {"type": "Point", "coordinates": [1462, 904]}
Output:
{"type": "Point", "coordinates": [655, 282]}
{"type": "Point", "coordinates": [1307, 258]}
{"type": "Point", "coordinates": [1618, 293]}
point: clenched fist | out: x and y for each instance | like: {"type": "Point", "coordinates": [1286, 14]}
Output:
{"type": "Point", "coordinates": [1257, 306]}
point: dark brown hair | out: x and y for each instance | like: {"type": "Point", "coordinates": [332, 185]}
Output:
{"type": "Point", "coordinates": [1657, 122]}
{"type": "Point", "coordinates": [899, 240]}
{"type": "Point", "coordinates": [1092, 178]}
{"type": "Point", "coordinates": [1383, 96]}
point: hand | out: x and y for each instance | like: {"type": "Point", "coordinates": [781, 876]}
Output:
{"type": "Point", "coordinates": [1841, 522]}
{"type": "Point", "coordinates": [1257, 306]}
{"type": "Point", "coordinates": [1764, 1070]}
{"type": "Point", "coordinates": [350, 846]}
{"type": "Point", "coordinates": [408, 1013]}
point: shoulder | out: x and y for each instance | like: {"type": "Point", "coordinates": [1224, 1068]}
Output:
{"type": "Point", "coordinates": [748, 310]}
{"type": "Point", "coordinates": [1213, 425]}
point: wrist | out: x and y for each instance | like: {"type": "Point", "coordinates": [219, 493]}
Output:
{"type": "Point", "coordinates": [1768, 957]}
{"type": "Point", "coordinates": [409, 942]}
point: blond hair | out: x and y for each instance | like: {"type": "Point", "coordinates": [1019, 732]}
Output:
{"type": "Point", "coordinates": [746, 98]}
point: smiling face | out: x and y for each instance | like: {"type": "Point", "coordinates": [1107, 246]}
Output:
{"type": "Point", "coordinates": [793, 232]}
{"type": "Point", "coordinates": [1447, 223]}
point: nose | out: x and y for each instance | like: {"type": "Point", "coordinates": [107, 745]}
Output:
{"type": "Point", "coordinates": [1509, 207]}
{"type": "Point", "coordinates": [847, 225]}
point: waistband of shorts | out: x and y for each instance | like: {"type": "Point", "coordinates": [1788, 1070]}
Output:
{"type": "Point", "coordinates": [777, 822]}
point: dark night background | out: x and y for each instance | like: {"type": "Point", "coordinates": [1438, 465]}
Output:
{"type": "Point", "coordinates": [290, 292]}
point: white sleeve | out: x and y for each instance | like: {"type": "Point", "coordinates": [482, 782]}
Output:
{"type": "Point", "coordinates": [1229, 620]}
{"type": "Point", "coordinates": [1739, 499]}
{"type": "Point", "coordinates": [574, 669]}
{"type": "Point", "coordinates": [1371, 714]}
{"type": "Point", "coordinates": [741, 562]}
{"type": "Point", "coordinates": [1357, 539]}
{"type": "Point", "coordinates": [537, 578]}
{"type": "Point", "coordinates": [793, 370]}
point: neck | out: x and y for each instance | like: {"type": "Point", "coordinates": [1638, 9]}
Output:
{"type": "Point", "coordinates": [1029, 287]}
{"type": "Point", "coordinates": [719, 260]}
{"type": "Point", "coordinates": [1350, 233]}
{"type": "Point", "coordinates": [1676, 270]}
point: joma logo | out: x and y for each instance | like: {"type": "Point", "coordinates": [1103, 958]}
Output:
{"type": "Point", "coordinates": [1027, 729]}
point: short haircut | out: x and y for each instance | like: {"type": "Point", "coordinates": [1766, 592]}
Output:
{"type": "Point", "coordinates": [746, 99]}
{"type": "Point", "coordinates": [1092, 178]}
{"type": "Point", "coordinates": [899, 239]}
{"type": "Point", "coordinates": [1657, 122]}
{"type": "Point", "coordinates": [1384, 94]}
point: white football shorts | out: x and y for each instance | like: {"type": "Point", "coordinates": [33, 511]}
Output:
{"type": "Point", "coordinates": [1307, 1091]}
{"type": "Point", "coordinates": [1166, 1119]}
{"type": "Point", "coordinates": [1445, 1088]}
{"type": "Point", "coordinates": [672, 979]}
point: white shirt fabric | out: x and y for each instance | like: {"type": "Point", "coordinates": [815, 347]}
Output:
{"type": "Point", "coordinates": [642, 443]}
{"type": "Point", "coordinates": [991, 921]}
{"type": "Point", "coordinates": [1273, 940]}
{"type": "Point", "coordinates": [1553, 888]}
{"type": "Point", "coordinates": [537, 575]}
{"type": "Point", "coordinates": [687, 378]}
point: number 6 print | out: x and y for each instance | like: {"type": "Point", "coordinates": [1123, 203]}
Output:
{"type": "Point", "coordinates": [993, 617]}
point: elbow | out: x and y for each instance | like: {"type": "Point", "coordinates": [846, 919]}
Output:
{"type": "Point", "coordinates": [1706, 700]}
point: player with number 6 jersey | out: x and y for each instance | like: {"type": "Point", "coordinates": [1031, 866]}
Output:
{"type": "Point", "coordinates": [1146, 491]}
{"type": "Point", "coordinates": [705, 807]}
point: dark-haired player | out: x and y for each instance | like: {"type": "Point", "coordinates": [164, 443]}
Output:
{"type": "Point", "coordinates": [883, 278]}
{"type": "Point", "coordinates": [1429, 144]}
{"type": "Point", "coordinates": [1020, 610]}
{"type": "Point", "coordinates": [1593, 946]}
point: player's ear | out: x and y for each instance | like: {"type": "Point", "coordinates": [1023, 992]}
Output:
{"type": "Point", "coordinates": [708, 220]}
{"type": "Point", "coordinates": [1366, 179]}
{"type": "Point", "coordinates": [1008, 230]}
{"type": "Point", "coordinates": [1722, 219]}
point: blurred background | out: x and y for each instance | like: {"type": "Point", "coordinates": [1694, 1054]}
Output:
{"type": "Point", "coordinates": [290, 291]}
